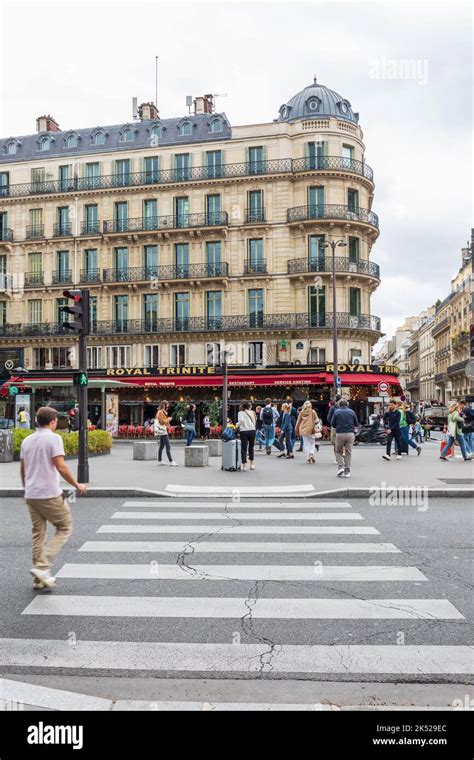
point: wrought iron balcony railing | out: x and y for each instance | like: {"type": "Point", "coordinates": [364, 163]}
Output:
{"type": "Point", "coordinates": [6, 234]}
{"type": "Point", "coordinates": [171, 272]}
{"type": "Point", "coordinates": [234, 323]}
{"type": "Point", "coordinates": [332, 211]}
{"type": "Point", "coordinates": [254, 216]}
{"type": "Point", "coordinates": [453, 369]}
{"type": "Point", "coordinates": [61, 276]}
{"type": "Point", "coordinates": [323, 263]}
{"type": "Point", "coordinates": [255, 267]}
{"type": "Point", "coordinates": [90, 228]}
{"type": "Point", "coordinates": [441, 377]}
{"type": "Point", "coordinates": [33, 278]}
{"type": "Point", "coordinates": [196, 173]}
{"type": "Point", "coordinates": [62, 229]}
{"type": "Point", "coordinates": [90, 275]}
{"type": "Point", "coordinates": [171, 221]}
{"type": "Point", "coordinates": [436, 329]}
{"type": "Point", "coordinates": [34, 231]}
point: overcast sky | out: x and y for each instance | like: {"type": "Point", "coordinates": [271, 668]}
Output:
{"type": "Point", "coordinates": [83, 63]}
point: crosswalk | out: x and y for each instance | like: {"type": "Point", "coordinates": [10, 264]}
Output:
{"type": "Point", "coordinates": [240, 590]}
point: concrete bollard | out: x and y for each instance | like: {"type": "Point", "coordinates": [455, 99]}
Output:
{"type": "Point", "coordinates": [145, 450]}
{"type": "Point", "coordinates": [6, 446]}
{"type": "Point", "coordinates": [196, 456]}
{"type": "Point", "coordinates": [215, 447]}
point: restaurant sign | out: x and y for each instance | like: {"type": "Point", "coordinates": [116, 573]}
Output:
{"type": "Point", "coordinates": [160, 371]}
{"type": "Point", "coordinates": [365, 368]}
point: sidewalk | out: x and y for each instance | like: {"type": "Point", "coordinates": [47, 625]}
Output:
{"type": "Point", "coordinates": [119, 470]}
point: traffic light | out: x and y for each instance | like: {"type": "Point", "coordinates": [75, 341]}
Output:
{"type": "Point", "coordinates": [80, 378]}
{"type": "Point", "coordinates": [79, 309]}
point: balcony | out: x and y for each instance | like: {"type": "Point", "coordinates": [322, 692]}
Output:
{"type": "Point", "coordinates": [460, 339]}
{"type": "Point", "coordinates": [255, 267]}
{"type": "Point", "coordinates": [441, 377]}
{"type": "Point", "coordinates": [6, 235]}
{"type": "Point", "coordinates": [234, 323]}
{"type": "Point", "coordinates": [62, 229]}
{"type": "Point", "coordinates": [254, 216]}
{"type": "Point", "coordinates": [33, 279]}
{"type": "Point", "coordinates": [172, 272]}
{"type": "Point", "coordinates": [443, 325]}
{"type": "Point", "coordinates": [342, 264]}
{"type": "Point", "coordinates": [34, 231]}
{"type": "Point", "coordinates": [198, 173]}
{"type": "Point", "coordinates": [170, 222]}
{"type": "Point", "coordinates": [454, 369]}
{"type": "Point", "coordinates": [90, 275]}
{"type": "Point", "coordinates": [332, 211]}
{"type": "Point", "coordinates": [90, 228]}
{"type": "Point", "coordinates": [413, 384]}
{"type": "Point", "coordinates": [62, 276]}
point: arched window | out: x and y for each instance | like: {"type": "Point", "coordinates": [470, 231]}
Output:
{"type": "Point", "coordinates": [71, 141]}
{"type": "Point", "coordinates": [44, 143]}
{"type": "Point", "coordinates": [127, 135]}
{"type": "Point", "coordinates": [216, 125]}
{"type": "Point", "coordinates": [157, 131]}
{"type": "Point", "coordinates": [99, 138]}
{"type": "Point", "coordinates": [11, 148]}
{"type": "Point", "coordinates": [185, 129]}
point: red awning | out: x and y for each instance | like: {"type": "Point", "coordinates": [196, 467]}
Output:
{"type": "Point", "coordinates": [256, 379]}
{"type": "Point", "coordinates": [364, 378]}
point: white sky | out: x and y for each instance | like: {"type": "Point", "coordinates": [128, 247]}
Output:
{"type": "Point", "coordinates": [83, 62]}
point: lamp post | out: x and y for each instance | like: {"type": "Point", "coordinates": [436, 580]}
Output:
{"type": "Point", "coordinates": [223, 356]}
{"type": "Point", "coordinates": [333, 244]}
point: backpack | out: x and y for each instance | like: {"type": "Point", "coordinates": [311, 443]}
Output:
{"type": "Point", "coordinates": [410, 418]}
{"type": "Point", "coordinates": [267, 415]}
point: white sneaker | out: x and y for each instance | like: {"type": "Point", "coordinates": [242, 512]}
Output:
{"type": "Point", "coordinates": [386, 457]}
{"type": "Point", "coordinates": [173, 464]}
{"type": "Point", "coordinates": [43, 578]}
{"type": "Point", "coordinates": [252, 466]}
{"type": "Point", "coordinates": [347, 473]}
{"type": "Point", "coordinates": [340, 472]}
{"type": "Point", "coordinates": [399, 456]}
{"type": "Point", "coordinates": [161, 464]}
{"type": "Point", "coordinates": [335, 462]}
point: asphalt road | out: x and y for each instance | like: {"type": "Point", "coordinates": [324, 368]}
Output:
{"type": "Point", "coordinates": [232, 614]}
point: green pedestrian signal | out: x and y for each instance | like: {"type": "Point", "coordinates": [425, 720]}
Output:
{"type": "Point", "coordinates": [13, 390]}
{"type": "Point", "coordinates": [80, 378]}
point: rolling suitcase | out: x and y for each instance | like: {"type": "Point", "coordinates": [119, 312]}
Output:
{"type": "Point", "coordinates": [231, 457]}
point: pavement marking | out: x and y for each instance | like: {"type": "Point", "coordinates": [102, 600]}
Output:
{"type": "Point", "coordinates": [237, 658]}
{"type": "Point", "coordinates": [241, 505]}
{"type": "Point", "coordinates": [241, 490]}
{"type": "Point", "coordinates": [217, 607]}
{"type": "Point", "coordinates": [158, 572]}
{"type": "Point", "coordinates": [234, 516]}
{"type": "Point", "coordinates": [284, 530]}
{"type": "Point", "coordinates": [46, 697]}
{"type": "Point", "coordinates": [212, 706]}
{"type": "Point", "coordinates": [246, 547]}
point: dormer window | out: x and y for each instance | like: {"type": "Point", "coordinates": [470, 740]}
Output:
{"type": "Point", "coordinates": [284, 112]}
{"type": "Point", "coordinates": [44, 143]}
{"type": "Point", "coordinates": [11, 148]}
{"type": "Point", "coordinates": [186, 129]}
{"type": "Point", "coordinates": [128, 135]}
{"type": "Point", "coordinates": [157, 131]}
{"type": "Point", "coordinates": [99, 138]}
{"type": "Point", "coordinates": [216, 125]}
{"type": "Point", "coordinates": [313, 104]}
{"type": "Point", "coordinates": [344, 107]}
{"type": "Point", "coordinates": [71, 141]}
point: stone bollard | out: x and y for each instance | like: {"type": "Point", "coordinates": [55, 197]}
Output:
{"type": "Point", "coordinates": [196, 456]}
{"type": "Point", "coordinates": [145, 450]}
{"type": "Point", "coordinates": [215, 447]}
{"type": "Point", "coordinates": [6, 446]}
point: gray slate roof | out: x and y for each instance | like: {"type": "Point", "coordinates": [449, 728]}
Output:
{"type": "Point", "coordinates": [329, 103]}
{"type": "Point", "coordinates": [28, 145]}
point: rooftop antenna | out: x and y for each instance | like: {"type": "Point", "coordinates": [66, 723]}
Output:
{"type": "Point", "coordinates": [135, 108]}
{"type": "Point", "coordinates": [218, 95]}
{"type": "Point", "coordinates": [189, 102]}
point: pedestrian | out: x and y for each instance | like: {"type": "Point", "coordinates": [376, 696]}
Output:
{"type": "Point", "coordinates": [294, 418]}
{"type": "Point", "coordinates": [286, 432]}
{"type": "Point", "coordinates": [41, 465]}
{"type": "Point", "coordinates": [407, 418]}
{"type": "Point", "coordinates": [161, 426]}
{"type": "Point", "coordinates": [307, 428]}
{"type": "Point", "coordinates": [23, 418]}
{"type": "Point", "coordinates": [259, 428]}
{"type": "Point", "coordinates": [455, 425]}
{"type": "Point", "coordinates": [426, 429]}
{"type": "Point", "coordinates": [392, 424]}
{"type": "Point", "coordinates": [207, 426]}
{"type": "Point", "coordinates": [345, 422]}
{"type": "Point", "coordinates": [333, 429]}
{"type": "Point", "coordinates": [301, 447]}
{"type": "Point", "coordinates": [190, 424]}
{"type": "Point", "coordinates": [269, 416]}
{"type": "Point", "coordinates": [468, 429]}
{"type": "Point", "coordinates": [247, 422]}
{"type": "Point", "coordinates": [417, 433]}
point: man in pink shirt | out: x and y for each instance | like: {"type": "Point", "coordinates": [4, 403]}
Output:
{"type": "Point", "coordinates": [42, 463]}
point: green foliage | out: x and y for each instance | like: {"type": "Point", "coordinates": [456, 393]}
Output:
{"type": "Point", "coordinates": [99, 441]}
{"type": "Point", "coordinates": [178, 409]}
{"type": "Point", "coordinates": [214, 412]}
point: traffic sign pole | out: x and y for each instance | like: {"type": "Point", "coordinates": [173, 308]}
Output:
{"type": "Point", "coordinates": [83, 460]}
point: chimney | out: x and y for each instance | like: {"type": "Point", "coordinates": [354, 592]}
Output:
{"type": "Point", "coordinates": [47, 124]}
{"type": "Point", "coordinates": [148, 112]}
{"type": "Point", "coordinates": [204, 104]}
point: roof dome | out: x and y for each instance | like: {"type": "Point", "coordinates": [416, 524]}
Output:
{"type": "Point", "coordinates": [317, 100]}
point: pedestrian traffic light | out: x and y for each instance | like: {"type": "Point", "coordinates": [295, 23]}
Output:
{"type": "Point", "coordinates": [79, 309]}
{"type": "Point", "coordinates": [80, 378]}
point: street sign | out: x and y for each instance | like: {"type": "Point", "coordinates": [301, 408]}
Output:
{"type": "Point", "coordinates": [375, 399]}
{"type": "Point", "coordinates": [383, 387]}
{"type": "Point", "coordinates": [13, 390]}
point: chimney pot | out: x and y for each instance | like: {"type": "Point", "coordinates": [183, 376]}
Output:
{"type": "Point", "coordinates": [148, 112]}
{"type": "Point", "coordinates": [203, 104]}
{"type": "Point", "coordinates": [47, 124]}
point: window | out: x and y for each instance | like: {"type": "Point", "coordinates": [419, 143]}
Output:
{"type": "Point", "coordinates": [354, 302]}
{"type": "Point", "coordinates": [150, 261]}
{"type": "Point", "coordinates": [127, 135]}
{"type": "Point", "coordinates": [34, 311]}
{"type": "Point", "coordinates": [316, 154]}
{"type": "Point", "coordinates": [99, 138]}
{"type": "Point", "coordinates": [92, 175]}
{"type": "Point", "coordinates": [117, 356]}
{"type": "Point", "coordinates": [315, 202]}
{"type": "Point", "coordinates": [213, 258]}
{"type": "Point", "coordinates": [317, 253]}
{"type": "Point", "coordinates": [347, 156]}
{"type": "Point", "coordinates": [44, 143]}
{"type": "Point", "coordinates": [255, 210]}
{"type": "Point", "coordinates": [12, 148]}
{"type": "Point", "coordinates": [152, 169]}
{"type": "Point", "coordinates": [317, 355]}
{"type": "Point", "coordinates": [353, 200]}
{"type": "Point", "coordinates": [3, 273]}
{"type": "Point", "coordinates": [355, 356]}
{"type": "Point", "coordinates": [177, 355]}
{"type": "Point", "coordinates": [216, 125]}
{"type": "Point", "coordinates": [185, 129]}
{"type": "Point", "coordinates": [150, 214]}
{"type": "Point", "coordinates": [3, 312]}
{"type": "Point", "coordinates": [181, 260]}
{"type": "Point", "coordinates": [71, 141]}
{"type": "Point", "coordinates": [4, 183]}
{"type": "Point", "coordinates": [35, 266]}
{"type": "Point", "coordinates": [121, 313]}
{"type": "Point", "coordinates": [122, 172]}
{"type": "Point", "coordinates": [62, 266]}
{"type": "Point", "coordinates": [213, 209]}
{"type": "Point", "coordinates": [150, 311]}
{"type": "Point", "coordinates": [61, 317]}
{"type": "Point", "coordinates": [37, 179]}
{"type": "Point", "coordinates": [214, 163]}
{"type": "Point", "coordinates": [121, 217]}
{"type": "Point", "coordinates": [157, 131]}
{"type": "Point", "coordinates": [94, 357]}
{"type": "Point", "coordinates": [255, 160]}
{"type": "Point", "coordinates": [181, 311]}
{"type": "Point", "coordinates": [182, 166]}
{"type": "Point", "coordinates": [121, 264]}
{"type": "Point", "coordinates": [64, 177]}
{"type": "Point", "coordinates": [255, 352]}
{"type": "Point", "coordinates": [151, 355]}
{"type": "Point", "coordinates": [213, 309]}
{"type": "Point", "coordinates": [93, 313]}
{"type": "Point", "coordinates": [317, 306]}
{"type": "Point", "coordinates": [213, 351]}
{"type": "Point", "coordinates": [354, 244]}
{"type": "Point", "coordinates": [255, 260]}
{"type": "Point", "coordinates": [181, 210]}
{"type": "Point", "coordinates": [63, 225]}
{"type": "Point", "coordinates": [91, 219]}
{"type": "Point", "coordinates": [91, 265]}
{"type": "Point", "coordinates": [255, 307]}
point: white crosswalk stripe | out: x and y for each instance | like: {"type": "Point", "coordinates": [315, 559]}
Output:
{"type": "Point", "coordinates": [231, 547]}
{"type": "Point", "coordinates": [281, 530]}
{"type": "Point", "coordinates": [235, 516]}
{"type": "Point", "coordinates": [315, 505]}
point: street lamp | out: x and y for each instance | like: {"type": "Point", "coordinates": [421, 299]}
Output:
{"type": "Point", "coordinates": [333, 244]}
{"type": "Point", "coordinates": [223, 356]}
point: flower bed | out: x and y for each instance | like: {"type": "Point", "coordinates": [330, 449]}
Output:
{"type": "Point", "coordinates": [99, 441]}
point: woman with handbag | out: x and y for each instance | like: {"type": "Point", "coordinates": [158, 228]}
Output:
{"type": "Point", "coordinates": [247, 423]}
{"type": "Point", "coordinates": [308, 426]}
{"type": "Point", "coordinates": [161, 425]}
{"type": "Point", "coordinates": [286, 433]}
{"type": "Point", "coordinates": [189, 421]}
